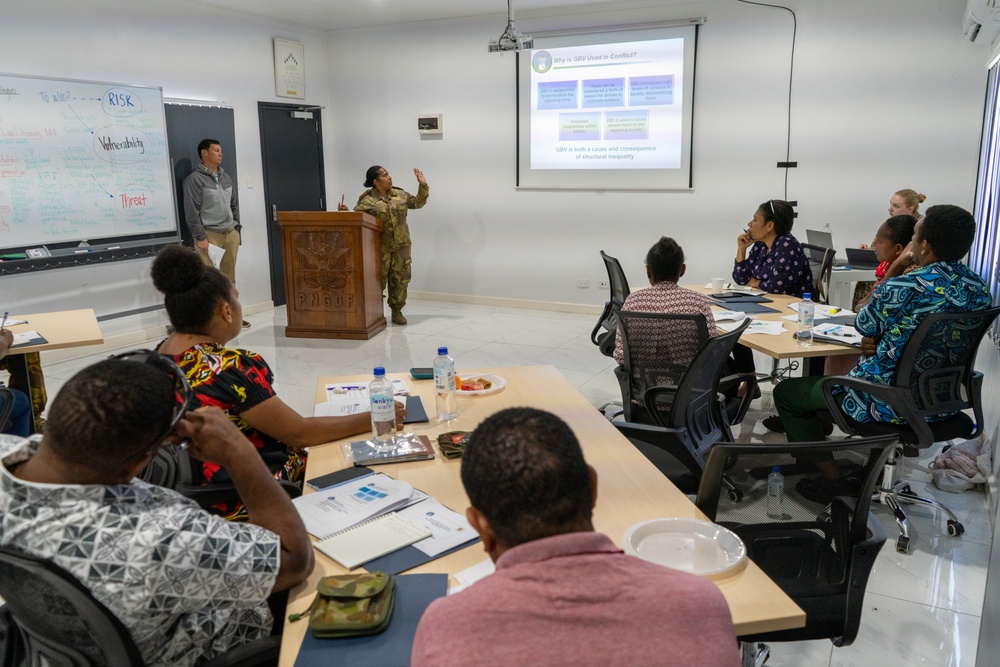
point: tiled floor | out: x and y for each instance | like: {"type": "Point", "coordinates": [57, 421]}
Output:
{"type": "Point", "coordinates": [920, 609]}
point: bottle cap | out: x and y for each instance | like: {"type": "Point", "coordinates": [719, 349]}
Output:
{"type": "Point", "coordinates": [379, 371]}
{"type": "Point", "coordinates": [776, 469]}
{"type": "Point", "coordinates": [807, 296]}
{"type": "Point", "coordinates": [442, 351]}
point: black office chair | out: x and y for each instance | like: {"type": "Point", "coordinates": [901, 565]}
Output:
{"type": "Point", "coordinates": [821, 265]}
{"type": "Point", "coordinates": [172, 467]}
{"type": "Point", "coordinates": [672, 380]}
{"type": "Point", "coordinates": [935, 376]}
{"type": "Point", "coordinates": [819, 556]}
{"type": "Point", "coordinates": [54, 620]}
{"type": "Point", "coordinates": [603, 335]}
{"type": "Point", "coordinates": [6, 407]}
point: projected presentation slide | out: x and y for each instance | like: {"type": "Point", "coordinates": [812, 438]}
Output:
{"type": "Point", "coordinates": [608, 106]}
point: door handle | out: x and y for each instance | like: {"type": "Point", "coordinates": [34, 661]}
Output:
{"type": "Point", "coordinates": [274, 212]}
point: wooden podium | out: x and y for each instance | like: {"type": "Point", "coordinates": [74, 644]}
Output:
{"type": "Point", "coordinates": [333, 274]}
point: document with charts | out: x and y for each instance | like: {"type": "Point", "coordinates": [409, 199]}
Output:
{"type": "Point", "coordinates": [334, 509]}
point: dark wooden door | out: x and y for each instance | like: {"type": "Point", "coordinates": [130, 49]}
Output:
{"type": "Point", "coordinates": [291, 141]}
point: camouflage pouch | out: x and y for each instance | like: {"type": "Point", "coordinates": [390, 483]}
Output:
{"type": "Point", "coordinates": [452, 444]}
{"type": "Point", "coordinates": [351, 605]}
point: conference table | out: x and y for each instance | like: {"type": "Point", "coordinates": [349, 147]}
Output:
{"type": "Point", "coordinates": [784, 345]}
{"type": "Point", "coordinates": [62, 329]}
{"type": "Point", "coordinates": [630, 490]}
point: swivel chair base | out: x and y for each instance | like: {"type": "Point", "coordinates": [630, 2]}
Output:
{"type": "Point", "coordinates": [891, 492]}
{"type": "Point", "coordinates": [754, 654]}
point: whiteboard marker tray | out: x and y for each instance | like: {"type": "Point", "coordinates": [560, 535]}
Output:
{"type": "Point", "coordinates": [691, 545]}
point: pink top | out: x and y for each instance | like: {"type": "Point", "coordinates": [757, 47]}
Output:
{"type": "Point", "coordinates": [576, 599]}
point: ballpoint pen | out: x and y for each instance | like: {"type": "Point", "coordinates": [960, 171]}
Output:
{"type": "Point", "coordinates": [4, 322]}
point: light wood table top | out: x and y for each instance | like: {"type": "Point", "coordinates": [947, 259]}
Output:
{"type": "Point", "coordinates": [630, 490]}
{"type": "Point", "coordinates": [67, 328]}
{"type": "Point", "coordinates": [784, 346]}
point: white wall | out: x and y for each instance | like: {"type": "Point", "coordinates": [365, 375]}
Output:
{"type": "Point", "coordinates": [887, 95]}
{"type": "Point", "coordinates": [193, 53]}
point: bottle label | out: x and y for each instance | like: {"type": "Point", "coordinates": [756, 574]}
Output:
{"type": "Point", "coordinates": [383, 408]}
{"type": "Point", "coordinates": [443, 380]}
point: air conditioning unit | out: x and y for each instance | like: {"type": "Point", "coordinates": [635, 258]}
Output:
{"type": "Point", "coordinates": [980, 15]}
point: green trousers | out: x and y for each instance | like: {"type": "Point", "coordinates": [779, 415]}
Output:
{"type": "Point", "coordinates": [798, 401]}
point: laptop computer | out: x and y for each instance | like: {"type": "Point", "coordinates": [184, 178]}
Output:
{"type": "Point", "coordinates": [862, 258]}
{"type": "Point", "coordinates": [824, 240]}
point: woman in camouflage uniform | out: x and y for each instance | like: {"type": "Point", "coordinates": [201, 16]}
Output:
{"type": "Point", "coordinates": [390, 205]}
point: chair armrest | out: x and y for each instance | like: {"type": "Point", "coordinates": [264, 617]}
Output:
{"type": "Point", "coordinates": [263, 651]}
{"type": "Point", "coordinates": [736, 380]}
{"type": "Point", "coordinates": [670, 440]}
{"type": "Point", "coordinates": [649, 399]}
{"type": "Point", "coordinates": [899, 398]}
{"type": "Point", "coordinates": [212, 494]}
{"type": "Point", "coordinates": [600, 323]}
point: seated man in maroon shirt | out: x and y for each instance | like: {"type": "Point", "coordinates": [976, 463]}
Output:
{"type": "Point", "coordinates": [562, 593]}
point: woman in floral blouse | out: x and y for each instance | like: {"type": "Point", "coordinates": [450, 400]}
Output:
{"type": "Point", "coordinates": [205, 311]}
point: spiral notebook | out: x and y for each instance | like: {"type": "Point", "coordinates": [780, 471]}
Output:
{"type": "Point", "coordinates": [364, 541]}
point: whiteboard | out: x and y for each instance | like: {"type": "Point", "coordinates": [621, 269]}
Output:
{"type": "Point", "coordinates": [81, 160]}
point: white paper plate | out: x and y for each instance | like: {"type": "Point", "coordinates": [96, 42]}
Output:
{"type": "Point", "coordinates": [691, 545]}
{"type": "Point", "coordinates": [498, 384]}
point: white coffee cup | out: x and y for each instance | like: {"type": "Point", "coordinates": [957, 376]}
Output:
{"type": "Point", "coordinates": [717, 284]}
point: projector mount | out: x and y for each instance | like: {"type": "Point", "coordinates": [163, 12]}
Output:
{"type": "Point", "coordinates": [510, 39]}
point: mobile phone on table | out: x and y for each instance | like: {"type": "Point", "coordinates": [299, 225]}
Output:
{"type": "Point", "coordinates": [422, 373]}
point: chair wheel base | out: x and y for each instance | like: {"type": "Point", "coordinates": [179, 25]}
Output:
{"type": "Point", "coordinates": [955, 528]}
{"type": "Point", "coordinates": [736, 495]}
{"type": "Point", "coordinates": [903, 544]}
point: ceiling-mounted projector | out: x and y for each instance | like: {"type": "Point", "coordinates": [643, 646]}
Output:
{"type": "Point", "coordinates": [510, 39]}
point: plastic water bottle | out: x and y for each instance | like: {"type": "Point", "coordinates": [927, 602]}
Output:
{"type": "Point", "coordinates": [383, 409]}
{"type": "Point", "coordinates": [807, 311]}
{"type": "Point", "coordinates": [444, 385]}
{"type": "Point", "coordinates": [775, 493]}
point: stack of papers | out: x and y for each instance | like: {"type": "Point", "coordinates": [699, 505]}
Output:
{"type": "Point", "coordinates": [28, 338]}
{"type": "Point", "coordinates": [820, 311]}
{"type": "Point", "coordinates": [768, 328]}
{"type": "Point", "coordinates": [837, 333]}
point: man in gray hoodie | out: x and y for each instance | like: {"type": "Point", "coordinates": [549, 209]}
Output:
{"type": "Point", "coordinates": [212, 209]}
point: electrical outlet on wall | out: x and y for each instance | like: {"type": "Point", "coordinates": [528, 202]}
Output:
{"type": "Point", "coordinates": [583, 284]}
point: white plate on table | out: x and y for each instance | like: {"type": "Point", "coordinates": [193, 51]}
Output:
{"type": "Point", "coordinates": [498, 384]}
{"type": "Point", "coordinates": [691, 545]}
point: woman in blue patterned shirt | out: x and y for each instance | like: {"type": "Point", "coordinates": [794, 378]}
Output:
{"type": "Point", "coordinates": [898, 305]}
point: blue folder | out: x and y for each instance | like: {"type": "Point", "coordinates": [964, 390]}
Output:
{"type": "Point", "coordinates": [392, 648]}
{"type": "Point", "coordinates": [408, 558]}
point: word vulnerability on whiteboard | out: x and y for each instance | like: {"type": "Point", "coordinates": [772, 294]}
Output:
{"type": "Point", "coordinates": [81, 160]}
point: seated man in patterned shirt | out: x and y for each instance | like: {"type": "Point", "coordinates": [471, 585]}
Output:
{"type": "Point", "coordinates": [562, 594]}
{"type": "Point", "coordinates": [897, 306]}
{"type": "Point", "coordinates": [186, 584]}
